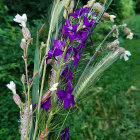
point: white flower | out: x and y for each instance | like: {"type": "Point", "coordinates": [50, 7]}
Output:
{"type": "Point", "coordinates": [125, 54]}
{"type": "Point", "coordinates": [130, 36]}
{"type": "Point", "coordinates": [54, 87]}
{"type": "Point", "coordinates": [12, 87]}
{"type": "Point", "coordinates": [21, 19]}
{"type": "Point", "coordinates": [112, 17]}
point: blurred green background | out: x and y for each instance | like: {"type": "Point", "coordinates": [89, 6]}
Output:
{"type": "Point", "coordinates": [113, 113]}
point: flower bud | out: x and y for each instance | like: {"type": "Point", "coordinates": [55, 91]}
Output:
{"type": "Point", "coordinates": [112, 17]}
{"type": "Point", "coordinates": [46, 96]}
{"type": "Point", "coordinates": [106, 15]}
{"type": "Point", "coordinates": [23, 79]}
{"type": "Point", "coordinates": [128, 32]}
{"type": "Point", "coordinates": [115, 31]}
{"type": "Point", "coordinates": [17, 99]}
{"type": "Point", "coordinates": [90, 3]}
{"type": "Point", "coordinates": [49, 61]}
{"type": "Point", "coordinates": [23, 44]}
{"type": "Point", "coordinates": [65, 14]}
{"type": "Point", "coordinates": [97, 7]}
{"type": "Point", "coordinates": [26, 33]}
{"type": "Point", "coordinates": [67, 3]}
{"type": "Point", "coordinates": [71, 6]}
{"type": "Point", "coordinates": [113, 45]}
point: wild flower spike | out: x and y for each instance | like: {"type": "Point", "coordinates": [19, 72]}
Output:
{"type": "Point", "coordinates": [12, 87]}
{"type": "Point", "coordinates": [54, 87]}
{"type": "Point", "coordinates": [21, 19]}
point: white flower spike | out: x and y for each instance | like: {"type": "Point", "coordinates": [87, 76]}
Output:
{"type": "Point", "coordinates": [54, 87]}
{"type": "Point", "coordinates": [21, 19]}
{"type": "Point", "coordinates": [112, 17]}
{"type": "Point", "coordinates": [125, 54]}
{"type": "Point", "coordinates": [12, 87]}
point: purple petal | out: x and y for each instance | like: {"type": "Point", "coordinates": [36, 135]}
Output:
{"type": "Point", "coordinates": [57, 52]}
{"type": "Point", "coordinates": [61, 94]}
{"type": "Point", "coordinates": [46, 104]}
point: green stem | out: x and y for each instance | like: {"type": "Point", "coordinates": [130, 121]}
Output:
{"type": "Point", "coordinates": [28, 121]}
{"type": "Point", "coordinates": [44, 72]}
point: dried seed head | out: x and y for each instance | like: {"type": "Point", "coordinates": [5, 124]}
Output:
{"type": "Point", "coordinates": [17, 99]}
{"type": "Point", "coordinates": [26, 33]}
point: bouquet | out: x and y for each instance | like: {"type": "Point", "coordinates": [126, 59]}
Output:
{"type": "Point", "coordinates": [53, 88]}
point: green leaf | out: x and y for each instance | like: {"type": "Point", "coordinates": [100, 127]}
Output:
{"type": "Point", "coordinates": [35, 87]}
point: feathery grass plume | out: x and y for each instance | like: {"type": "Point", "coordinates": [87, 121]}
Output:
{"type": "Point", "coordinates": [58, 15]}
{"type": "Point", "coordinates": [93, 73]}
{"type": "Point", "coordinates": [24, 120]}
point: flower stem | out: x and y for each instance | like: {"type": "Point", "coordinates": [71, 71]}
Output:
{"type": "Point", "coordinates": [44, 72]}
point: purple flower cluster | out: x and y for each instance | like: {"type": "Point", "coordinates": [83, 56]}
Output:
{"type": "Point", "coordinates": [66, 96]}
{"type": "Point", "coordinates": [76, 37]}
{"type": "Point", "coordinates": [65, 134]}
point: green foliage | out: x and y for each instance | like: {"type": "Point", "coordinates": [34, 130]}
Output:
{"type": "Point", "coordinates": [124, 9]}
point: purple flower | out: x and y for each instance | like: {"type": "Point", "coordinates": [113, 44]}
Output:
{"type": "Point", "coordinates": [44, 105]}
{"type": "Point", "coordinates": [66, 97]}
{"type": "Point", "coordinates": [76, 57]}
{"type": "Point", "coordinates": [69, 50]}
{"type": "Point", "coordinates": [87, 23]}
{"type": "Point", "coordinates": [65, 134]}
{"type": "Point", "coordinates": [80, 12]}
{"type": "Point", "coordinates": [69, 30]}
{"type": "Point", "coordinates": [56, 50]}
